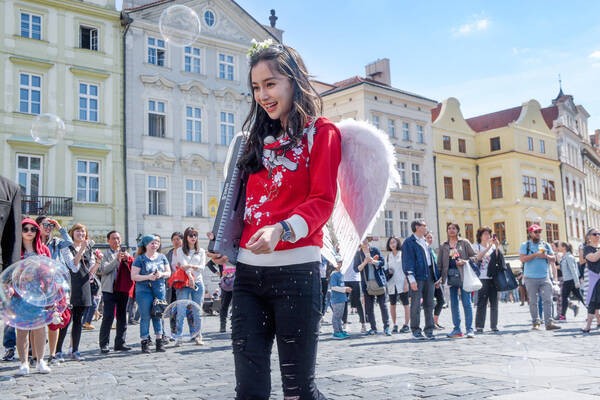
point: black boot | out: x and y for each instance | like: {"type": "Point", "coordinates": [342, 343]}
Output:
{"type": "Point", "coordinates": [223, 326]}
{"type": "Point", "coordinates": [159, 345]}
{"type": "Point", "coordinates": [145, 346]}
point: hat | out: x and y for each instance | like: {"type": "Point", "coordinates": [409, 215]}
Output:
{"type": "Point", "coordinates": [534, 227]}
{"type": "Point", "coordinates": [145, 240]}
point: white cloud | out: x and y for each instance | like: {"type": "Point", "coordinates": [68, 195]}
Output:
{"type": "Point", "coordinates": [479, 25]}
{"type": "Point", "coordinates": [595, 55]}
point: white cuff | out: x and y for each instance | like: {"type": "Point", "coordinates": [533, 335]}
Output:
{"type": "Point", "coordinates": [299, 227]}
{"type": "Point", "coordinates": [411, 278]}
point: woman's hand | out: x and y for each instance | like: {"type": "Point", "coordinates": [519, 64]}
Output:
{"type": "Point", "coordinates": [215, 257]}
{"type": "Point", "coordinates": [265, 239]}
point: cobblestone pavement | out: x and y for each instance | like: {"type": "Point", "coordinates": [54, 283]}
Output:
{"type": "Point", "coordinates": [515, 363]}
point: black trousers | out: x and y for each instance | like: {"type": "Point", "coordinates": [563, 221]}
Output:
{"type": "Point", "coordinates": [354, 302]}
{"type": "Point", "coordinates": [488, 292]}
{"type": "Point", "coordinates": [370, 308]}
{"type": "Point", "coordinates": [114, 304]}
{"type": "Point", "coordinates": [424, 292]}
{"type": "Point", "coordinates": [568, 287]}
{"type": "Point", "coordinates": [77, 320]}
{"type": "Point", "coordinates": [324, 287]}
{"type": "Point", "coordinates": [225, 302]}
{"type": "Point", "coordinates": [439, 301]}
{"type": "Point", "coordinates": [282, 303]}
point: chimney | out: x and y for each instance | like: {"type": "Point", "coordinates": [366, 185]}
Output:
{"type": "Point", "coordinates": [596, 138]}
{"type": "Point", "coordinates": [379, 71]}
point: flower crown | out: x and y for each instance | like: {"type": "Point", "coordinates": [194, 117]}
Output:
{"type": "Point", "coordinates": [258, 46]}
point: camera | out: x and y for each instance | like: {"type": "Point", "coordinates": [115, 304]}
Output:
{"type": "Point", "coordinates": [123, 249]}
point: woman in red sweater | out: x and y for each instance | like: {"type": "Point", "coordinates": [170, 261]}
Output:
{"type": "Point", "coordinates": [290, 194]}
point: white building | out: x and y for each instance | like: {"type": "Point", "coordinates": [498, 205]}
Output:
{"type": "Point", "coordinates": [591, 167]}
{"type": "Point", "coordinates": [406, 119]}
{"type": "Point", "coordinates": [183, 106]}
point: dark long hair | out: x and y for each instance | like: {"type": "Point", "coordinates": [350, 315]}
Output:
{"type": "Point", "coordinates": [306, 103]}
{"type": "Point", "coordinates": [186, 247]}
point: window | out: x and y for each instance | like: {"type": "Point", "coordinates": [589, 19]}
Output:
{"type": "Point", "coordinates": [528, 224]}
{"type": "Point", "coordinates": [88, 38]}
{"type": "Point", "coordinates": [191, 59]}
{"type": "Point", "coordinates": [157, 195]}
{"type": "Point", "coordinates": [542, 146]}
{"type": "Point", "coordinates": [466, 186]}
{"type": "Point", "coordinates": [209, 17]}
{"type": "Point", "coordinates": [446, 143]}
{"type": "Point", "coordinates": [30, 93]}
{"type": "Point", "coordinates": [227, 128]}
{"type": "Point", "coordinates": [496, 184]}
{"type": "Point", "coordinates": [416, 175]}
{"type": "Point", "coordinates": [156, 51]}
{"type": "Point", "coordinates": [551, 232]}
{"type": "Point", "coordinates": [29, 174]}
{"type": "Point", "coordinates": [405, 132]}
{"type": "Point", "coordinates": [193, 198]}
{"type": "Point", "coordinates": [418, 215]}
{"type": "Point", "coordinates": [193, 124]}
{"type": "Point", "coordinates": [462, 146]}
{"type": "Point", "coordinates": [577, 227]}
{"type": "Point", "coordinates": [495, 144]}
{"type": "Point", "coordinates": [469, 233]}
{"type": "Point", "coordinates": [375, 120]}
{"type": "Point", "coordinates": [548, 192]}
{"type": "Point", "coordinates": [31, 26]}
{"type": "Point", "coordinates": [529, 143]}
{"type": "Point", "coordinates": [574, 189]}
{"type": "Point", "coordinates": [156, 118]}
{"type": "Point", "coordinates": [581, 191]}
{"type": "Point", "coordinates": [389, 223]}
{"type": "Point", "coordinates": [420, 134]}
{"type": "Point", "coordinates": [448, 192]}
{"type": "Point", "coordinates": [567, 185]}
{"type": "Point", "coordinates": [392, 128]}
{"type": "Point", "coordinates": [226, 66]}
{"type": "Point", "coordinates": [402, 172]}
{"type": "Point", "coordinates": [403, 224]}
{"type": "Point", "coordinates": [529, 187]}
{"type": "Point", "coordinates": [88, 181]}
{"type": "Point", "coordinates": [570, 227]}
{"type": "Point", "coordinates": [88, 102]}
{"type": "Point", "coordinates": [500, 231]}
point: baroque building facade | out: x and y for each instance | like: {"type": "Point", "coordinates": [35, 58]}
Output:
{"type": "Point", "coordinates": [64, 58]}
{"type": "Point", "coordinates": [183, 106]}
{"type": "Point", "coordinates": [404, 116]}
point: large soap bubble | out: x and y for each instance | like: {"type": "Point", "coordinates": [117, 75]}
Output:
{"type": "Point", "coordinates": [46, 128]}
{"type": "Point", "coordinates": [179, 25]}
{"type": "Point", "coordinates": [183, 319]}
{"type": "Point", "coordinates": [100, 386]}
{"type": "Point", "coordinates": [33, 292]}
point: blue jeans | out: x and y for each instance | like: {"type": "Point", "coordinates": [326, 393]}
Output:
{"type": "Point", "coordinates": [465, 297]}
{"type": "Point", "coordinates": [144, 296]}
{"type": "Point", "coordinates": [88, 315]}
{"type": "Point", "coordinates": [9, 340]}
{"type": "Point", "coordinates": [197, 296]}
{"type": "Point", "coordinates": [282, 303]}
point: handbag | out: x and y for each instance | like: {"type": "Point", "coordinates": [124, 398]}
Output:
{"type": "Point", "coordinates": [454, 279]}
{"type": "Point", "coordinates": [373, 288]}
{"type": "Point", "coordinates": [178, 279]}
{"type": "Point", "coordinates": [94, 286]}
{"type": "Point", "coordinates": [389, 271]}
{"type": "Point", "coordinates": [158, 307]}
{"type": "Point", "coordinates": [471, 282]}
{"type": "Point", "coordinates": [226, 282]}
{"type": "Point", "coordinates": [505, 280]}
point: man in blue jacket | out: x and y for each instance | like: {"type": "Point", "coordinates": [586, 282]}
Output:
{"type": "Point", "coordinates": [422, 273]}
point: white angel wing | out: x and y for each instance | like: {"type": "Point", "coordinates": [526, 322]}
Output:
{"type": "Point", "coordinates": [366, 174]}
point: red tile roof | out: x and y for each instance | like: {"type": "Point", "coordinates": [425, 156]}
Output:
{"type": "Point", "coordinates": [435, 112]}
{"type": "Point", "coordinates": [354, 80]}
{"type": "Point", "coordinates": [502, 118]}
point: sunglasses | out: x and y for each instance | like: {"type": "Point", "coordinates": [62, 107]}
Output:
{"type": "Point", "coordinates": [47, 225]}
{"type": "Point", "coordinates": [537, 231]}
{"type": "Point", "coordinates": [193, 235]}
{"type": "Point", "coordinates": [595, 234]}
{"type": "Point", "coordinates": [27, 229]}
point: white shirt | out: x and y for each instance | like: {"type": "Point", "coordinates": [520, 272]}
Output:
{"type": "Point", "coordinates": [396, 283]}
{"type": "Point", "coordinates": [423, 243]}
{"type": "Point", "coordinates": [194, 258]}
{"type": "Point", "coordinates": [483, 267]}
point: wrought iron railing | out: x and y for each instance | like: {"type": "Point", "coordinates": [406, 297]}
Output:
{"type": "Point", "coordinates": [47, 205]}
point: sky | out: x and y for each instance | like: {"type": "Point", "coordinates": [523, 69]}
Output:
{"type": "Point", "coordinates": [490, 55]}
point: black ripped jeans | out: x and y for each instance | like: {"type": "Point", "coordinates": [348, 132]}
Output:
{"type": "Point", "coordinates": [282, 303]}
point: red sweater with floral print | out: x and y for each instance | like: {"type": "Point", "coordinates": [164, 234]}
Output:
{"type": "Point", "coordinates": [297, 187]}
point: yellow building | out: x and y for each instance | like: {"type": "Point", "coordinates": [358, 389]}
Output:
{"type": "Point", "coordinates": [499, 169]}
{"type": "Point", "coordinates": [64, 58]}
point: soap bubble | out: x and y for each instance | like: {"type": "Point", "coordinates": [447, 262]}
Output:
{"type": "Point", "coordinates": [7, 383]}
{"type": "Point", "coordinates": [183, 319]}
{"type": "Point", "coordinates": [179, 25]}
{"type": "Point", "coordinates": [520, 370]}
{"type": "Point", "coordinates": [47, 127]}
{"type": "Point", "coordinates": [100, 386]}
{"type": "Point", "coordinates": [33, 292]}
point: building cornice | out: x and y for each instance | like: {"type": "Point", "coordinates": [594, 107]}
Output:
{"type": "Point", "coordinates": [86, 72]}
{"type": "Point", "coordinates": [31, 62]}
{"type": "Point", "coordinates": [194, 87]}
{"type": "Point", "coordinates": [157, 81]}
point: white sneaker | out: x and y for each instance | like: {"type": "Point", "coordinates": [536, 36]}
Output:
{"type": "Point", "coordinates": [199, 340]}
{"type": "Point", "coordinates": [24, 369]}
{"type": "Point", "coordinates": [363, 328]}
{"type": "Point", "coordinates": [177, 343]}
{"type": "Point", "coordinates": [43, 368]}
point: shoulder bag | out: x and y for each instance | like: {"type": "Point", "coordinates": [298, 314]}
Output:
{"type": "Point", "coordinates": [471, 282]}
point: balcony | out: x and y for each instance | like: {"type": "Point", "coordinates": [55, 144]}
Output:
{"type": "Point", "coordinates": [47, 205]}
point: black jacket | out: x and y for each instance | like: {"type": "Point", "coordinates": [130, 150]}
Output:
{"type": "Point", "coordinates": [10, 222]}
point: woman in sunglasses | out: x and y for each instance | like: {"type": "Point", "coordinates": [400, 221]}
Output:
{"type": "Point", "coordinates": [31, 245]}
{"type": "Point", "coordinates": [591, 252]}
{"type": "Point", "coordinates": [191, 258]}
{"type": "Point", "coordinates": [55, 244]}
